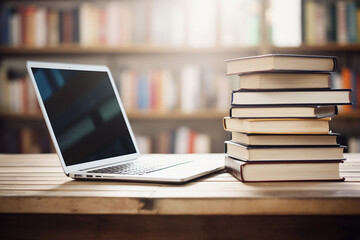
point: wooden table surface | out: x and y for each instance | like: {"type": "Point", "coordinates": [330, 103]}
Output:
{"type": "Point", "coordinates": [36, 184]}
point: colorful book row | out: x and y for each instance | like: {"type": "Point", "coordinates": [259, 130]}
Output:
{"type": "Point", "coordinates": [179, 140]}
{"type": "Point", "coordinates": [116, 23]}
{"type": "Point", "coordinates": [17, 94]}
{"type": "Point", "coordinates": [189, 90]}
{"type": "Point", "coordinates": [330, 21]}
{"type": "Point", "coordinates": [25, 140]}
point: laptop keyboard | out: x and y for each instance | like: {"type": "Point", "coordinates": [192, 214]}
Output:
{"type": "Point", "coordinates": [140, 167]}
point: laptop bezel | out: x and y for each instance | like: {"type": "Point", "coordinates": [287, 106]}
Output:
{"type": "Point", "coordinates": [81, 67]}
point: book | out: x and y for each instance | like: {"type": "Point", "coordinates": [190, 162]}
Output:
{"type": "Point", "coordinates": [283, 153]}
{"type": "Point", "coordinates": [281, 62]}
{"type": "Point", "coordinates": [286, 125]}
{"type": "Point", "coordinates": [283, 171]}
{"type": "Point", "coordinates": [284, 112]}
{"type": "Point", "coordinates": [292, 97]}
{"type": "Point", "coordinates": [284, 139]}
{"type": "Point", "coordinates": [286, 23]}
{"type": "Point", "coordinates": [270, 80]}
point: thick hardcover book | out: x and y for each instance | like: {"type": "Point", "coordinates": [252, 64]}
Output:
{"type": "Point", "coordinates": [256, 139]}
{"type": "Point", "coordinates": [283, 153]}
{"type": "Point", "coordinates": [277, 125]}
{"type": "Point", "coordinates": [283, 112]}
{"type": "Point", "coordinates": [274, 80]}
{"type": "Point", "coordinates": [281, 63]}
{"type": "Point", "coordinates": [291, 97]}
{"type": "Point", "coordinates": [283, 171]}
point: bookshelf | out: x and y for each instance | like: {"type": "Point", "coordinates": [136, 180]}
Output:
{"type": "Point", "coordinates": [136, 115]}
{"type": "Point", "coordinates": [151, 52]}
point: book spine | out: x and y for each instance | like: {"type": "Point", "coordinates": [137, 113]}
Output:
{"type": "Point", "coordinates": [235, 168]}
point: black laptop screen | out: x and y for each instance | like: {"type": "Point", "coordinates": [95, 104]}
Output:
{"type": "Point", "coordinates": [84, 113]}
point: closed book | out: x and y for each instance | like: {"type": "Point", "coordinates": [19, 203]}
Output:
{"type": "Point", "coordinates": [289, 125]}
{"type": "Point", "coordinates": [283, 153]}
{"type": "Point", "coordinates": [283, 171]}
{"type": "Point", "coordinates": [258, 139]}
{"type": "Point", "coordinates": [281, 62]}
{"type": "Point", "coordinates": [292, 97]}
{"type": "Point", "coordinates": [284, 112]}
{"type": "Point", "coordinates": [270, 80]}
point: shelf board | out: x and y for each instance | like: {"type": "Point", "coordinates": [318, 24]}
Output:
{"type": "Point", "coordinates": [22, 116]}
{"type": "Point", "coordinates": [148, 115]}
{"type": "Point", "coordinates": [330, 47]}
{"type": "Point", "coordinates": [204, 114]}
{"type": "Point", "coordinates": [131, 49]}
{"type": "Point", "coordinates": [134, 115]}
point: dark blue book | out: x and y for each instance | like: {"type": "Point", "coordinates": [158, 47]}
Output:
{"type": "Point", "coordinates": [5, 25]}
{"type": "Point", "coordinates": [331, 20]}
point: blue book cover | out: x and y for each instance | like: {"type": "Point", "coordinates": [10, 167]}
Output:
{"type": "Point", "coordinates": [143, 92]}
{"type": "Point", "coordinates": [5, 25]}
{"type": "Point", "coordinates": [351, 21]}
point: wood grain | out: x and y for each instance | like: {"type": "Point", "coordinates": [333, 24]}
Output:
{"type": "Point", "coordinates": [35, 183]}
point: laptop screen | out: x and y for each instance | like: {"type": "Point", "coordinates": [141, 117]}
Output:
{"type": "Point", "coordinates": [84, 113]}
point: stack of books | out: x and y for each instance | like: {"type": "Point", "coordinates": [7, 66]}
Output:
{"type": "Point", "coordinates": [279, 119]}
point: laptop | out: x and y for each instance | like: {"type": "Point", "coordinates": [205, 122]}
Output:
{"type": "Point", "coordinates": [91, 132]}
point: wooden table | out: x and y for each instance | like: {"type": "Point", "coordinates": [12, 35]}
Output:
{"type": "Point", "coordinates": [37, 201]}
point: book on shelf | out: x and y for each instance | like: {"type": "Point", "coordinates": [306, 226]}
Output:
{"type": "Point", "coordinates": [260, 139]}
{"type": "Point", "coordinates": [25, 140]}
{"type": "Point", "coordinates": [285, 23]}
{"type": "Point", "coordinates": [17, 94]}
{"type": "Point", "coordinates": [276, 125]}
{"type": "Point", "coordinates": [283, 153]}
{"type": "Point", "coordinates": [336, 21]}
{"type": "Point", "coordinates": [284, 112]}
{"type": "Point", "coordinates": [283, 171]}
{"type": "Point", "coordinates": [273, 80]}
{"type": "Point", "coordinates": [162, 90]}
{"type": "Point", "coordinates": [179, 140]}
{"type": "Point", "coordinates": [281, 63]}
{"type": "Point", "coordinates": [231, 13]}
{"type": "Point", "coordinates": [291, 97]}
{"type": "Point", "coordinates": [124, 23]}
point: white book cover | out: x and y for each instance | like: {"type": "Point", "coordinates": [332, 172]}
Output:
{"type": "Point", "coordinates": [127, 89]}
{"type": "Point", "coordinates": [86, 24]}
{"type": "Point", "coordinates": [190, 89]}
{"type": "Point", "coordinates": [182, 136]}
{"type": "Point", "coordinates": [40, 26]}
{"type": "Point", "coordinates": [144, 143]}
{"type": "Point", "coordinates": [160, 16]}
{"type": "Point", "coordinates": [202, 143]}
{"type": "Point", "coordinates": [224, 87]}
{"type": "Point", "coordinates": [177, 29]}
{"type": "Point", "coordinates": [113, 22]}
{"type": "Point", "coordinates": [202, 15]}
{"type": "Point", "coordinates": [169, 90]}
{"type": "Point", "coordinates": [126, 24]}
{"type": "Point", "coordinates": [286, 23]}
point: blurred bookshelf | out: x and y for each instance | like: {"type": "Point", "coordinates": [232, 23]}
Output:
{"type": "Point", "coordinates": [179, 46]}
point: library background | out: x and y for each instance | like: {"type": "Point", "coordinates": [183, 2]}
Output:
{"type": "Point", "coordinates": [167, 59]}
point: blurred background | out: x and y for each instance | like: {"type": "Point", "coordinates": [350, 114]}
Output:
{"type": "Point", "coordinates": [167, 59]}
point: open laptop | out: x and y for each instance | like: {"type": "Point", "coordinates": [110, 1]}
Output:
{"type": "Point", "coordinates": [91, 132]}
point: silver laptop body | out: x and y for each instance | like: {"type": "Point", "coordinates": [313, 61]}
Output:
{"type": "Point", "coordinates": [91, 132]}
